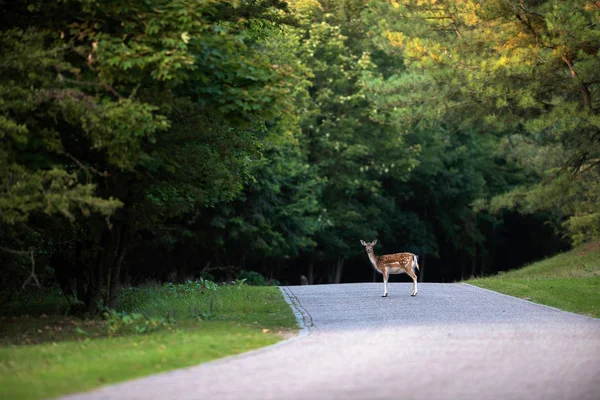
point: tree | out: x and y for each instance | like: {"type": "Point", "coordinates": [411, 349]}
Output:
{"type": "Point", "coordinates": [524, 70]}
{"type": "Point", "coordinates": [91, 100]}
{"type": "Point", "coordinates": [348, 144]}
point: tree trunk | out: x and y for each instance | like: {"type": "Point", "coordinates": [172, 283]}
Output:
{"type": "Point", "coordinates": [89, 270]}
{"type": "Point", "coordinates": [585, 93]}
{"type": "Point", "coordinates": [111, 250]}
{"type": "Point", "coordinates": [474, 248]}
{"type": "Point", "coordinates": [182, 267]}
{"type": "Point", "coordinates": [422, 263]}
{"type": "Point", "coordinates": [474, 262]}
{"type": "Point", "coordinates": [463, 266]}
{"type": "Point", "coordinates": [114, 285]}
{"type": "Point", "coordinates": [337, 272]}
{"type": "Point", "coordinates": [172, 273]}
{"type": "Point", "coordinates": [484, 266]}
{"type": "Point", "coordinates": [93, 294]}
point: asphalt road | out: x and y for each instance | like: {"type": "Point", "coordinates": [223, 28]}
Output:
{"type": "Point", "coordinates": [452, 341]}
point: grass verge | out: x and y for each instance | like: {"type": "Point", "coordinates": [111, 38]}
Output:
{"type": "Point", "coordinates": [48, 355]}
{"type": "Point", "coordinates": [569, 281]}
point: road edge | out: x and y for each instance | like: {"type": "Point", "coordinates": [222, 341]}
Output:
{"type": "Point", "coordinates": [302, 317]}
{"type": "Point", "coordinates": [530, 302]}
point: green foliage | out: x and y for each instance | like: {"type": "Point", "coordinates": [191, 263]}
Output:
{"type": "Point", "coordinates": [350, 146]}
{"type": "Point", "coordinates": [98, 92]}
{"type": "Point", "coordinates": [240, 282]}
{"type": "Point", "coordinates": [216, 137]}
{"type": "Point", "coordinates": [53, 192]}
{"type": "Point", "coordinates": [116, 321]}
{"type": "Point", "coordinates": [139, 112]}
{"type": "Point", "coordinates": [201, 291]}
{"type": "Point", "coordinates": [278, 212]}
{"type": "Point", "coordinates": [504, 67]}
{"type": "Point", "coordinates": [255, 279]}
{"type": "Point", "coordinates": [572, 201]}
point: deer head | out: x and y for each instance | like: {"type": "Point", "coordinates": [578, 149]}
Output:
{"type": "Point", "coordinates": [369, 246]}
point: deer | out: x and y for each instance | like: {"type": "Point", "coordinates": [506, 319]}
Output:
{"type": "Point", "coordinates": [399, 263]}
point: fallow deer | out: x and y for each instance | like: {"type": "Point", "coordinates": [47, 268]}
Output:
{"type": "Point", "coordinates": [399, 263]}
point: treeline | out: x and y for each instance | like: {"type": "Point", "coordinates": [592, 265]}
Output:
{"type": "Point", "coordinates": [170, 139]}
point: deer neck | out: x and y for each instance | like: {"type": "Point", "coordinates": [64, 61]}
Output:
{"type": "Point", "coordinates": [373, 258]}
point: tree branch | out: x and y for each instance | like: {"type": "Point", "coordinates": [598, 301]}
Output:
{"type": "Point", "coordinates": [87, 83]}
{"type": "Point", "coordinates": [529, 26]}
{"type": "Point", "coordinates": [86, 168]}
{"type": "Point", "coordinates": [31, 254]}
{"type": "Point", "coordinates": [17, 252]}
{"type": "Point", "coordinates": [522, 7]}
{"type": "Point", "coordinates": [587, 98]}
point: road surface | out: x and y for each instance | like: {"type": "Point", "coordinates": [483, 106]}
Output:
{"type": "Point", "coordinates": [452, 341]}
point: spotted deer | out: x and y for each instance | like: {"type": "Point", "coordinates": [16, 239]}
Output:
{"type": "Point", "coordinates": [399, 263]}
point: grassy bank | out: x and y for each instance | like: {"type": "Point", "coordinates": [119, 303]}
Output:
{"type": "Point", "coordinates": [158, 328]}
{"type": "Point", "coordinates": [569, 281]}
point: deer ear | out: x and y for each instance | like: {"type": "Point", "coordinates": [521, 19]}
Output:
{"type": "Point", "coordinates": [374, 242]}
{"type": "Point", "coordinates": [363, 243]}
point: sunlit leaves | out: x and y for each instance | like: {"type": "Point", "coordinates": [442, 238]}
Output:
{"type": "Point", "coordinates": [53, 192]}
{"type": "Point", "coordinates": [526, 68]}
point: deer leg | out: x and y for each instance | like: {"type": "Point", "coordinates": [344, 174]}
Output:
{"type": "Point", "coordinates": [414, 278]}
{"type": "Point", "coordinates": [385, 279]}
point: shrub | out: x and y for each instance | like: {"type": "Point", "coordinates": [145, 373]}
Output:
{"type": "Point", "coordinates": [253, 278]}
{"type": "Point", "coordinates": [256, 279]}
{"type": "Point", "coordinates": [116, 320]}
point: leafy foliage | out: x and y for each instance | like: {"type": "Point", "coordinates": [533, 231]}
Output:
{"type": "Point", "coordinates": [116, 321]}
{"type": "Point", "coordinates": [171, 140]}
{"type": "Point", "coordinates": [137, 107]}
{"type": "Point", "coordinates": [526, 70]}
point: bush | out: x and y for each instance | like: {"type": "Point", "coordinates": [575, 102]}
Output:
{"type": "Point", "coordinates": [256, 279]}
{"type": "Point", "coordinates": [141, 324]}
{"type": "Point", "coordinates": [253, 278]}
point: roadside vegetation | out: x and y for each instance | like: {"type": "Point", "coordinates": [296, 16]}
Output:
{"type": "Point", "coordinates": [569, 281]}
{"type": "Point", "coordinates": [168, 140]}
{"type": "Point", "coordinates": [157, 328]}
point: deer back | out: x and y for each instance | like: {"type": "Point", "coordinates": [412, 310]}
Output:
{"type": "Point", "coordinates": [398, 260]}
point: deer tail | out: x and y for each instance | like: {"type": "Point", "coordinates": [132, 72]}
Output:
{"type": "Point", "coordinates": [415, 262]}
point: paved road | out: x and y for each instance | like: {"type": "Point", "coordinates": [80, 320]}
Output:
{"type": "Point", "coordinates": [452, 341]}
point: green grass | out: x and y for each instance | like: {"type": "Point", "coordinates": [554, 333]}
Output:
{"type": "Point", "coordinates": [569, 281]}
{"type": "Point", "coordinates": [44, 356]}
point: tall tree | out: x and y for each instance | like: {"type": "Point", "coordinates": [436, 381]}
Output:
{"type": "Point", "coordinates": [349, 145]}
{"type": "Point", "coordinates": [92, 98]}
{"type": "Point", "coordinates": [524, 70]}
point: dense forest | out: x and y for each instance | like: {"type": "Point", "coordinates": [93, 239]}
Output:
{"type": "Point", "coordinates": [169, 140]}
